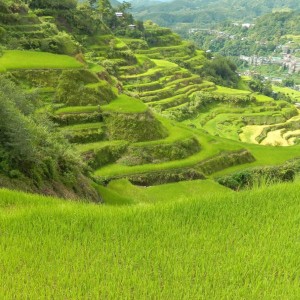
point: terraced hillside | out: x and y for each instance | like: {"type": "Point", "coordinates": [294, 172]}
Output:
{"type": "Point", "coordinates": [138, 108]}
{"type": "Point", "coordinates": [244, 115]}
{"type": "Point", "coordinates": [119, 116]}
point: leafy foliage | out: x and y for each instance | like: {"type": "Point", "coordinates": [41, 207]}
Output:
{"type": "Point", "coordinates": [221, 71]}
{"type": "Point", "coordinates": [30, 145]}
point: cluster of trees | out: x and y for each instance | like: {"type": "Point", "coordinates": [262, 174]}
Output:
{"type": "Point", "coordinates": [222, 71]}
{"type": "Point", "coordinates": [258, 84]}
{"type": "Point", "coordinates": [91, 16]}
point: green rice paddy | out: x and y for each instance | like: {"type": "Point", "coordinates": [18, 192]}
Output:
{"type": "Point", "coordinates": [21, 59]}
{"type": "Point", "coordinates": [214, 245]}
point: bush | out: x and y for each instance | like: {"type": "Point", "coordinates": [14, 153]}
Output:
{"type": "Point", "coordinates": [221, 71]}
{"type": "Point", "coordinates": [85, 136]}
{"type": "Point", "coordinates": [261, 175]}
{"type": "Point", "coordinates": [62, 43]}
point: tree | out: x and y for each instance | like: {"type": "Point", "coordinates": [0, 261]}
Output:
{"type": "Point", "coordinates": [222, 71]}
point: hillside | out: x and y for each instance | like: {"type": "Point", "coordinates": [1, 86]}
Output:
{"type": "Point", "coordinates": [143, 3]}
{"type": "Point", "coordinates": [182, 15]}
{"type": "Point", "coordinates": [268, 46]}
{"type": "Point", "coordinates": [219, 244]}
{"type": "Point", "coordinates": [267, 34]}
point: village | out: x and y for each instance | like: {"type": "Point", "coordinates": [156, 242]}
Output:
{"type": "Point", "coordinates": [287, 59]}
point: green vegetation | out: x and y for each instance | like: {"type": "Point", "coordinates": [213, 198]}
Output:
{"type": "Point", "coordinates": [221, 71]}
{"type": "Point", "coordinates": [153, 138]}
{"type": "Point", "coordinates": [76, 109]}
{"type": "Point", "coordinates": [19, 59]}
{"type": "Point", "coordinates": [229, 91]}
{"type": "Point", "coordinates": [293, 94]}
{"type": "Point", "coordinates": [33, 153]}
{"type": "Point", "coordinates": [182, 15]}
{"type": "Point", "coordinates": [270, 32]}
{"type": "Point", "coordinates": [106, 108]}
{"type": "Point", "coordinates": [156, 245]}
{"type": "Point", "coordinates": [165, 193]}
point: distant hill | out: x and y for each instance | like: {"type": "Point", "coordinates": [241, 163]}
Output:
{"type": "Point", "coordinates": [112, 2]}
{"type": "Point", "coordinates": [193, 13]}
{"type": "Point", "coordinates": [145, 3]}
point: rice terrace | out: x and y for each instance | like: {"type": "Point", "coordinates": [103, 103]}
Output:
{"type": "Point", "coordinates": [135, 164]}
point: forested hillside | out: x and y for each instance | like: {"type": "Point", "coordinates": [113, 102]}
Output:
{"type": "Point", "coordinates": [263, 36]}
{"type": "Point", "coordinates": [183, 14]}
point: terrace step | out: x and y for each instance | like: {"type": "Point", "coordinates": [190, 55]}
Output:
{"type": "Point", "coordinates": [84, 133]}
{"type": "Point", "coordinates": [190, 168]}
{"type": "Point", "coordinates": [169, 102]}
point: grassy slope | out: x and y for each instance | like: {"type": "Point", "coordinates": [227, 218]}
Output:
{"type": "Point", "coordinates": [229, 91]}
{"type": "Point", "coordinates": [17, 59]}
{"type": "Point", "coordinates": [233, 246]}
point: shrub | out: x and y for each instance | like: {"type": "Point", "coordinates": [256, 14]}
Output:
{"type": "Point", "coordinates": [81, 118]}
{"type": "Point", "coordinates": [261, 175]}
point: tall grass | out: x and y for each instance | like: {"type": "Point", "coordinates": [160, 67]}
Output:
{"type": "Point", "coordinates": [219, 246]}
